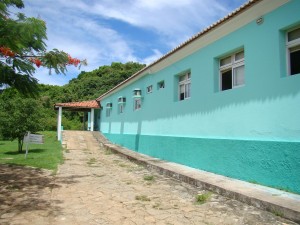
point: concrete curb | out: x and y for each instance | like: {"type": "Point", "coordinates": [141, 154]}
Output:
{"type": "Point", "coordinates": [280, 203]}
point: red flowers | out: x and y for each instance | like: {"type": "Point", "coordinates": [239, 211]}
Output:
{"type": "Point", "coordinates": [73, 61]}
{"type": "Point", "coordinates": [36, 61]}
{"type": "Point", "coordinates": [7, 52]}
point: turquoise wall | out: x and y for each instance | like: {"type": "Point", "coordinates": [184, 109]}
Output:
{"type": "Point", "coordinates": [272, 163]}
{"type": "Point", "coordinates": [250, 133]}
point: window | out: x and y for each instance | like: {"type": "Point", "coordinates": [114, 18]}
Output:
{"type": "Point", "coordinates": [137, 93]}
{"type": "Point", "coordinates": [232, 71]}
{"type": "Point", "coordinates": [108, 109]}
{"type": "Point", "coordinates": [121, 104]}
{"type": "Point", "coordinates": [137, 99]}
{"type": "Point", "coordinates": [121, 109]}
{"type": "Point", "coordinates": [161, 84]}
{"type": "Point", "coordinates": [293, 51]}
{"type": "Point", "coordinates": [121, 100]}
{"type": "Point", "coordinates": [137, 104]}
{"type": "Point", "coordinates": [149, 89]}
{"type": "Point", "coordinates": [184, 86]}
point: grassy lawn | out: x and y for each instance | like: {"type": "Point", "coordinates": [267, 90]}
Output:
{"type": "Point", "coordinates": [47, 155]}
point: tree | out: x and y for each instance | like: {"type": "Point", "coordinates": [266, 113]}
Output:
{"type": "Point", "coordinates": [23, 48]}
{"type": "Point", "coordinates": [18, 115]}
{"type": "Point", "coordinates": [90, 85]}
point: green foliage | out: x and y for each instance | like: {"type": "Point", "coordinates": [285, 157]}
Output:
{"type": "Point", "coordinates": [203, 198]}
{"type": "Point", "coordinates": [18, 115]}
{"type": "Point", "coordinates": [25, 84]}
{"type": "Point", "coordinates": [4, 4]}
{"type": "Point", "coordinates": [23, 36]}
{"type": "Point", "coordinates": [25, 39]}
{"type": "Point", "coordinates": [47, 155]}
{"type": "Point", "coordinates": [143, 198]}
{"type": "Point", "coordinates": [56, 60]}
{"type": "Point", "coordinates": [88, 85]}
{"type": "Point", "coordinates": [149, 177]}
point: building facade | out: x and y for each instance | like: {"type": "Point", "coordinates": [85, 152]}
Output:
{"type": "Point", "coordinates": [226, 101]}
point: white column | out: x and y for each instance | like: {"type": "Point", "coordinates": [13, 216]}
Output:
{"type": "Point", "coordinates": [59, 123]}
{"type": "Point", "coordinates": [92, 119]}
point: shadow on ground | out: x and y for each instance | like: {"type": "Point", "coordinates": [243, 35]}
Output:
{"type": "Point", "coordinates": [25, 189]}
{"type": "Point", "coordinates": [23, 152]}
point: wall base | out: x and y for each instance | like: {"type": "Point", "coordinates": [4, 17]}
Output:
{"type": "Point", "coordinates": [271, 163]}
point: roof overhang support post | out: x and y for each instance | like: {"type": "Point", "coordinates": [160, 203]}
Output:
{"type": "Point", "coordinates": [92, 119]}
{"type": "Point", "coordinates": [59, 123]}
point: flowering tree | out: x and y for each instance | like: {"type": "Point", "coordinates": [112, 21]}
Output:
{"type": "Point", "coordinates": [23, 48]}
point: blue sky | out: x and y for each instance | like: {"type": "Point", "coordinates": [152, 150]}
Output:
{"type": "Point", "coordinates": [105, 31]}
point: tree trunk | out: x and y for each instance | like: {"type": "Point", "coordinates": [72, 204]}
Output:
{"type": "Point", "coordinates": [20, 144]}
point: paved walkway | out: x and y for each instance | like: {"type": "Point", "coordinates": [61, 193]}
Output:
{"type": "Point", "coordinates": [95, 186]}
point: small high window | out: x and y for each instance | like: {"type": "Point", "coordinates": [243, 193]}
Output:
{"type": "Point", "coordinates": [137, 99]}
{"type": "Point", "coordinates": [149, 89]}
{"type": "Point", "coordinates": [161, 84]}
{"type": "Point", "coordinates": [184, 86]}
{"type": "Point", "coordinates": [293, 51]}
{"type": "Point", "coordinates": [232, 71]}
{"type": "Point", "coordinates": [121, 100]}
{"type": "Point", "coordinates": [108, 109]}
{"type": "Point", "coordinates": [121, 104]}
{"type": "Point", "coordinates": [137, 104]}
{"type": "Point", "coordinates": [137, 93]}
{"type": "Point", "coordinates": [121, 109]}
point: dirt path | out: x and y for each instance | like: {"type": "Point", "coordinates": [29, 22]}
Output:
{"type": "Point", "coordinates": [94, 186]}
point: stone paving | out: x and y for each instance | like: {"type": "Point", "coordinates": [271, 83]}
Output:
{"type": "Point", "coordinates": [95, 186]}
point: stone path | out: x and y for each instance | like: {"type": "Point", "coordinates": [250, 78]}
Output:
{"type": "Point", "coordinates": [95, 186]}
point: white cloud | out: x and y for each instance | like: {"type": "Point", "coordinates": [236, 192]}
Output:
{"type": "Point", "coordinates": [173, 21]}
{"type": "Point", "coordinates": [86, 29]}
{"type": "Point", "coordinates": [164, 16]}
{"type": "Point", "coordinates": [150, 59]}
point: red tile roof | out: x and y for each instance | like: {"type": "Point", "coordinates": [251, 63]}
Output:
{"type": "Point", "coordinates": [92, 104]}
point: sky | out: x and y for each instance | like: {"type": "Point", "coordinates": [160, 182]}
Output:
{"type": "Point", "coordinates": [106, 31]}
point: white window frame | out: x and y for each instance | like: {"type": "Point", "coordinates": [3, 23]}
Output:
{"type": "Point", "coordinates": [137, 104]}
{"type": "Point", "coordinates": [121, 104]}
{"type": "Point", "coordinates": [291, 46]}
{"type": "Point", "coordinates": [137, 92]}
{"type": "Point", "coordinates": [149, 89]}
{"type": "Point", "coordinates": [108, 109]}
{"type": "Point", "coordinates": [232, 65]}
{"type": "Point", "coordinates": [186, 84]}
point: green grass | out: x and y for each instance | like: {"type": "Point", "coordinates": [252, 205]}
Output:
{"type": "Point", "coordinates": [202, 198]}
{"type": "Point", "coordinates": [108, 152]}
{"type": "Point", "coordinates": [143, 198]}
{"type": "Point", "coordinates": [46, 156]}
{"type": "Point", "coordinates": [92, 161]}
{"type": "Point", "coordinates": [277, 213]}
{"type": "Point", "coordinates": [149, 178]}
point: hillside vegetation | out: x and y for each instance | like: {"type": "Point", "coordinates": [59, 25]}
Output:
{"type": "Point", "coordinates": [87, 86]}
